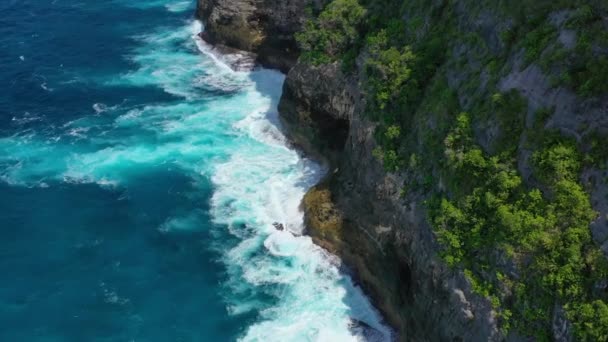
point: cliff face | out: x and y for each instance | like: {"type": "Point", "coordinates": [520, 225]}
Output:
{"type": "Point", "coordinates": [266, 27]}
{"type": "Point", "coordinates": [361, 211]}
{"type": "Point", "coordinates": [357, 213]}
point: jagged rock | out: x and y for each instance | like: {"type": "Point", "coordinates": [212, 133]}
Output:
{"type": "Point", "coordinates": [266, 27]}
{"type": "Point", "coordinates": [562, 329]}
{"type": "Point", "coordinates": [357, 211]}
{"type": "Point", "coordinates": [278, 226]}
{"type": "Point", "coordinates": [397, 265]}
{"type": "Point", "coordinates": [316, 106]}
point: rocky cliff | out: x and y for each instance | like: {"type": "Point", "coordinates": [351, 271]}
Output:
{"type": "Point", "coordinates": [527, 74]}
{"type": "Point", "coordinates": [357, 212]}
{"type": "Point", "coordinates": [266, 27]}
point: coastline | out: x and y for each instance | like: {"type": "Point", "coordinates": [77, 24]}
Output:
{"type": "Point", "coordinates": [381, 104]}
{"type": "Point", "coordinates": [230, 58]}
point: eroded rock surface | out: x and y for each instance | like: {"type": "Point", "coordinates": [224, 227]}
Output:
{"type": "Point", "coordinates": [266, 27]}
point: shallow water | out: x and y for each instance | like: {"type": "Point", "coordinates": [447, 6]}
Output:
{"type": "Point", "coordinates": [139, 180]}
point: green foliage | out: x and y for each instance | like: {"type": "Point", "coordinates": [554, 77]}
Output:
{"type": "Point", "coordinates": [508, 36]}
{"type": "Point", "coordinates": [393, 132]}
{"type": "Point", "coordinates": [349, 60]}
{"type": "Point", "coordinates": [445, 219]}
{"type": "Point", "coordinates": [389, 71]}
{"type": "Point", "coordinates": [541, 116]}
{"type": "Point", "coordinates": [593, 78]}
{"type": "Point", "coordinates": [491, 211]}
{"type": "Point", "coordinates": [554, 56]}
{"type": "Point", "coordinates": [560, 161]}
{"type": "Point", "coordinates": [597, 151]}
{"type": "Point", "coordinates": [389, 158]}
{"type": "Point", "coordinates": [584, 68]}
{"type": "Point", "coordinates": [334, 32]}
{"type": "Point", "coordinates": [582, 16]}
{"type": "Point", "coordinates": [524, 249]}
{"type": "Point", "coordinates": [537, 40]}
{"type": "Point", "coordinates": [510, 110]}
{"type": "Point", "coordinates": [591, 320]}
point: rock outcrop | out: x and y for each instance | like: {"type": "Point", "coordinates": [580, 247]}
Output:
{"type": "Point", "coordinates": [266, 27]}
{"type": "Point", "coordinates": [358, 211]}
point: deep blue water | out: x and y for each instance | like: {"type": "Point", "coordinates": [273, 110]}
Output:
{"type": "Point", "coordinates": [139, 180]}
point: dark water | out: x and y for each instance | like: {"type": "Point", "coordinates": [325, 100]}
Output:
{"type": "Point", "coordinates": [139, 179]}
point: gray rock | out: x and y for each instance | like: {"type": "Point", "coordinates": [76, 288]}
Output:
{"type": "Point", "coordinates": [385, 238]}
{"type": "Point", "coordinates": [266, 27]}
{"type": "Point", "coordinates": [562, 329]}
{"type": "Point", "coordinates": [390, 245]}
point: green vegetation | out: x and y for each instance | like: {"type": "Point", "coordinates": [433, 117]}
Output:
{"type": "Point", "coordinates": [558, 162]}
{"type": "Point", "coordinates": [333, 33]}
{"type": "Point", "coordinates": [540, 118]}
{"type": "Point", "coordinates": [508, 112]}
{"type": "Point", "coordinates": [597, 153]}
{"type": "Point", "coordinates": [390, 73]}
{"type": "Point", "coordinates": [592, 78]}
{"type": "Point", "coordinates": [537, 40]}
{"type": "Point", "coordinates": [528, 249]}
{"type": "Point", "coordinates": [491, 215]}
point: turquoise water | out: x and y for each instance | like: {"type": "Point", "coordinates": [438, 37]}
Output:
{"type": "Point", "coordinates": [139, 180]}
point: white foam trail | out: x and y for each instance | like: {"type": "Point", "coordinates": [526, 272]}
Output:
{"type": "Point", "coordinates": [207, 50]}
{"type": "Point", "coordinates": [295, 288]}
{"type": "Point", "coordinates": [100, 108]}
{"type": "Point", "coordinates": [232, 60]}
{"type": "Point", "coordinates": [179, 6]}
{"type": "Point", "coordinates": [26, 118]}
{"type": "Point", "coordinates": [263, 182]}
{"type": "Point", "coordinates": [45, 87]}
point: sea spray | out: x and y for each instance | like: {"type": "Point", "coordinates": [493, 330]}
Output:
{"type": "Point", "coordinates": [315, 301]}
{"type": "Point", "coordinates": [141, 195]}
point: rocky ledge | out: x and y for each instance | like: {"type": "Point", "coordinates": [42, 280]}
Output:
{"type": "Point", "coordinates": [357, 213]}
{"type": "Point", "coordinates": [265, 27]}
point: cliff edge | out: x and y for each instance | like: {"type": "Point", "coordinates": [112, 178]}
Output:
{"type": "Point", "coordinates": [265, 27]}
{"type": "Point", "coordinates": [467, 144]}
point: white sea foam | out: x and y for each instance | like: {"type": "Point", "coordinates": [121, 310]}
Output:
{"type": "Point", "coordinates": [178, 6]}
{"type": "Point", "coordinates": [100, 108]}
{"type": "Point", "coordinates": [180, 223]}
{"type": "Point", "coordinates": [227, 59]}
{"type": "Point", "coordinates": [171, 6]}
{"type": "Point", "coordinates": [295, 287]}
{"type": "Point", "coordinates": [45, 87]}
{"type": "Point", "coordinates": [26, 118]}
{"type": "Point", "coordinates": [263, 182]}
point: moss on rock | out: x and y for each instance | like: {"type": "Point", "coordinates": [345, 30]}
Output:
{"type": "Point", "coordinates": [322, 217]}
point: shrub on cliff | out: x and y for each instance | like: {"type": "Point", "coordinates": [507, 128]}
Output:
{"type": "Point", "coordinates": [390, 72]}
{"type": "Point", "coordinates": [334, 32]}
{"type": "Point", "coordinates": [547, 237]}
{"type": "Point", "coordinates": [529, 250]}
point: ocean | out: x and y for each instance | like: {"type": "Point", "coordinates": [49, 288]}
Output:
{"type": "Point", "coordinates": [140, 177]}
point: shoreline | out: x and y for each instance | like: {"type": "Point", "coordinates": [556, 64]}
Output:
{"type": "Point", "coordinates": [219, 52]}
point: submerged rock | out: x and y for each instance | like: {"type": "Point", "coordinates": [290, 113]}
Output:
{"type": "Point", "coordinates": [363, 329]}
